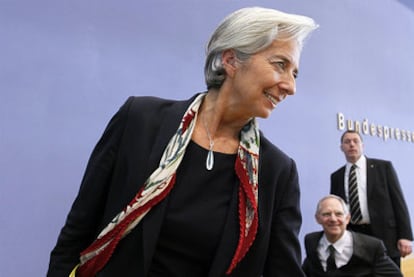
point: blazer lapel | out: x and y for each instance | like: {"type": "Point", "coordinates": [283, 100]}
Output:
{"type": "Point", "coordinates": [228, 243]}
{"type": "Point", "coordinates": [359, 248]}
{"type": "Point", "coordinates": [341, 184]}
{"type": "Point", "coordinates": [151, 223]}
{"type": "Point", "coordinates": [357, 245]}
{"type": "Point", "coordinates": [313, 255]}
{"type": "Point", "coordinates": [371, 171]}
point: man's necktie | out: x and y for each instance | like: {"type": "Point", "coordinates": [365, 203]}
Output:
{"type": "Point", "coordinates": [330, 262]}
{"type": "Point", "coordinates": [355, 208]}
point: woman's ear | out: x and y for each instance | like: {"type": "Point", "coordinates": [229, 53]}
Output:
{"type": "Point", "coordinates": [229, 61]}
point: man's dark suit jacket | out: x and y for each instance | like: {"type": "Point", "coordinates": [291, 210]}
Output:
{"type": "Point", "coordinates": [128, 152]}
{"type": "Point", "coordinates": [388, 212]}
{"type": "Point", "coordinates": [369, 259]}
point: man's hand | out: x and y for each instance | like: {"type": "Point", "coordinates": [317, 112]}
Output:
{"type": "Point", "coordinates": [404, 245]}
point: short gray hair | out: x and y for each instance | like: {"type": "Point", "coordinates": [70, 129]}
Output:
{"type": "Point", "coordinates": [332, 196]}
{"type": "Point", "coordinates": [248, 31]}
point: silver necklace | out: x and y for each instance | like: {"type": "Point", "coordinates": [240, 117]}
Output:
{"type": "Point", "coordinates": [210, 155]}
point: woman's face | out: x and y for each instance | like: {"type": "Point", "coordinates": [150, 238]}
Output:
{"type": "Point", "coordinates": [266, 78]}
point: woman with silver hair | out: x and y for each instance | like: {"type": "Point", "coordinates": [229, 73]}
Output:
{"type": "Point", "coordinates": [193, 188]}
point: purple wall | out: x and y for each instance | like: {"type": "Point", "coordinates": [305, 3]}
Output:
{"type": "Point", "coordinates": [67, 66]}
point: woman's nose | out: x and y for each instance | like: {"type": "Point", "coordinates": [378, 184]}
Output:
{"type": "Point", "coordinates": [288, 85]}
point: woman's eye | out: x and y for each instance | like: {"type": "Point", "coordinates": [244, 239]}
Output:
{"type": "Point", "coordinates": [281, 65]}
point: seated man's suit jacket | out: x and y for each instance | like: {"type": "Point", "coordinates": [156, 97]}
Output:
{"type": "Point", "coordinates": [369, 258]}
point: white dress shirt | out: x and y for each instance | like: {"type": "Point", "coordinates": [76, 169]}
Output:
{"type": "Point", "coordinates": [343, 249]}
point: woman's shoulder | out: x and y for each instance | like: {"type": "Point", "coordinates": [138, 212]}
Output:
{"type": "Point", "coordinates": [145, 101]}
{"type": "Point", "coordinates": [153, 104]}
{"type": "Point", "coordinates": [271, 150]}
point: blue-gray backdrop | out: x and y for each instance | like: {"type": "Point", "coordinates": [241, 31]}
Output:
{"type": "Point", "coordinates": [67, 66]}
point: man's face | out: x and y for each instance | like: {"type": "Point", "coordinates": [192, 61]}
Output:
{"type": "Point", "coordinates": [352, 147]}
{"type": "Point", "coordinates": [331, 216]}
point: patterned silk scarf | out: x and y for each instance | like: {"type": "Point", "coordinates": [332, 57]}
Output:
{"type": "Point", "coordinates": [162, 180]}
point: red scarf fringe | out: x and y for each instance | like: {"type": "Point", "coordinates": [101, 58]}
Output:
{"type": "Point", "coordinates": [95, 264]}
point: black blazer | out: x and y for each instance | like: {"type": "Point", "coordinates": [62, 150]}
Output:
{"type": "Point", "coordinates": [369, 258]}
{"type": "Point", "coordinates": [390, 220]}
{"type": "Point", "coordinates": [127, 153]}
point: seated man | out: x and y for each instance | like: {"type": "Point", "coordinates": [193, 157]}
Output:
{"type": "Point", "coordinates": [338, 252]}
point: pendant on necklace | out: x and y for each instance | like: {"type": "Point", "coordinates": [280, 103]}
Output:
{"type": "Point", "coordinates": [210, 160]}
{"type": "Point", "coordinates": [210, 155]}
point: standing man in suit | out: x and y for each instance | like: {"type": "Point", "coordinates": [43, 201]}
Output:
{"type": "Point", "coordinates": [338, 252]}
{"type": "Point", "coordinates": [377, 203]}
